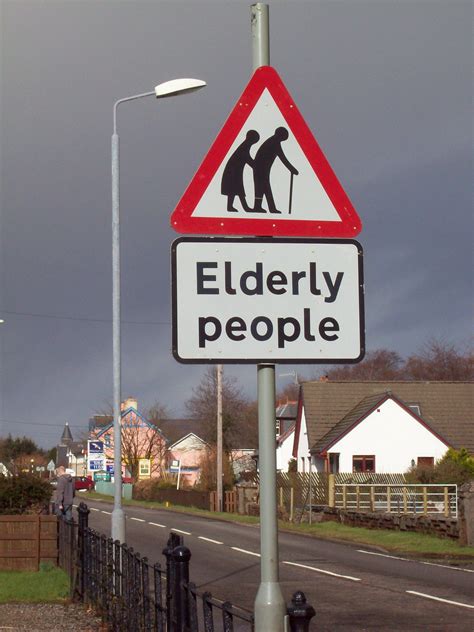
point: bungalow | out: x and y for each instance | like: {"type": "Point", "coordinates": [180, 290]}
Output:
{"type": "Point", "coordinates": [381, 426]}
{"type": "Point", "coordinates": [189, 451]}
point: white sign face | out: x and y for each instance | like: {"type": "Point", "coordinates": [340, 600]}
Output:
{"type": "Point", "coordinates": [97, 463]}
{"type": "Point", "coordinates": [267, 300]}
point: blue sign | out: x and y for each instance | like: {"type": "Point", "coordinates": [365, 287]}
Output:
{"type": "Point", "coordinates": [110, 469]}
{"type": "Point", "coordinates": [96, 447]}
{"type": "Point", "coordinates": [96, 464]}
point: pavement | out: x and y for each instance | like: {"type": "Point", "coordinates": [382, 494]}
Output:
{"type": "Point", "coordinates": [352, 587]}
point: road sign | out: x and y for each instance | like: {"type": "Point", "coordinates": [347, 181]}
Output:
{"type": "Point", "coordinates": [95, 447]}
{"type": "Point", "coordinates": [97, 463]}
{"type": "Point", "coordinates": [51, 466]}
{"type": "Point", "coordinates": [243, 300]}
{"type": "Point", "coordinates": [265, 174]}
{"type": "Point", "coordinates": [174, 466]}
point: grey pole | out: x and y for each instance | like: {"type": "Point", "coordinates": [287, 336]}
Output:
{"type": "Point", "coordinates": [219, 438]}
{"type": "Point", "coordinates": [270, 608]}
{"type": "Point", "coordinates": [118, 516]}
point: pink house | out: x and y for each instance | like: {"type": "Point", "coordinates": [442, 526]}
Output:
{"type": "Point", "coordinates": [142, 442]}
{"type": "Point", "coordinates": [189, 451]}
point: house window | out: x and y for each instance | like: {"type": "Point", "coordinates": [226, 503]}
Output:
{"type": "Point", "coordinates": [107, 440]}
{"type": "Point", "coordinates": [415, 408]}
{"type": "Point", "coordinates": [363, 463]}
{"type": "Point", "coordinates": [277, 427]}
{"type": "Point", "coordinates": [427, 461]}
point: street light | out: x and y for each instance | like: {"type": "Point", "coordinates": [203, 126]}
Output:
{"type": "Point", "coordinates": [167, 89]}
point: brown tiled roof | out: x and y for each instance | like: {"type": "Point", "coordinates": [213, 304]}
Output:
{"type": "Point", "coordinates": [447, 407]}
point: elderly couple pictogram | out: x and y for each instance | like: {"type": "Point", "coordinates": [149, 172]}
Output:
{"type": "Point", "coordinates": [232, 184]}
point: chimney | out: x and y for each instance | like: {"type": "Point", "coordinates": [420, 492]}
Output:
{"type": "Point", "coordinates": [130, 402]}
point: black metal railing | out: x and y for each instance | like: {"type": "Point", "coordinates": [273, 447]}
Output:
{"type": "Point", "coordinates": [133, 595]}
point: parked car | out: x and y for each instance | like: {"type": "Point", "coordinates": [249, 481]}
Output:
{"type": "Point", "coordinates": [83, 483]}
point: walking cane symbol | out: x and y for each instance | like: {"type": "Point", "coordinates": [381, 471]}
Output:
{"type": "Point", "coordinates": [291, 192]}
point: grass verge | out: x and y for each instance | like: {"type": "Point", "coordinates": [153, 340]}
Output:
{"type": "Point", "coordinates": [49, 584]}
{"type": "Point", "coordinates": [396, 542]}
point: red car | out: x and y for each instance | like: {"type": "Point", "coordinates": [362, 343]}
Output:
{"type": "Point", "coordinates": [82, 483]}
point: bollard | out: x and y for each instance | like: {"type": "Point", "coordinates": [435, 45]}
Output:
{"type": "Point", "coordinates": [180, 560]}
{"type": "Point", "coordinates": [174, 540]}
{"type": "Point", "coordinates": [300, 613]}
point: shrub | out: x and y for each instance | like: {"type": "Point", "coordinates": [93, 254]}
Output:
{"type": "Point", "coordinates": [146, 490]}
{"type": "Point", "coordinates": [456, 466]}
{"type": "Point", "coordinates": [24, 494]}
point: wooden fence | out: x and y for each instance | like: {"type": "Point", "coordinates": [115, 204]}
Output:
{"type": "Point", "coordinates": [25, 541]}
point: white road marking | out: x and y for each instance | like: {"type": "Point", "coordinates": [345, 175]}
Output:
{"type": "Point", "coordinates": [138, 519]}
{"type": "Point", "coordinates": [235, 548]}
{"type": "Point", "coordinates": [405, 559]}
{"type": "Point", "coordinates": [107, 512]}
{"type": "Point", "coordinates": [201, 537]}
{"type": "Point", "coordinates": [155, 524]}
{"type": "Point", "coordinates": [179, 531]}
{"type": "Point", "coordinates": [321, 570]}
{"type": "Point", "coordinates": [94, 509]}
{"type": "Point", "coordinates": [453, 603]}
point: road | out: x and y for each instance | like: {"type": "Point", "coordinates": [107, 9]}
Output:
{"type": "Point", "coordinates": [351, 587]}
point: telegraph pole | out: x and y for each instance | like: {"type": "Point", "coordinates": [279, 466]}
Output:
{"type": "Point", "coordinates": [219, 437]}
{"type": "Point", "coordinates": [270, 608]}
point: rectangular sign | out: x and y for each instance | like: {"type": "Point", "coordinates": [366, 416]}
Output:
{"type": "Point", "coordinates": [97, 463]}
{"type": "Point", "coordinates": [244, 300]}
{"type": "Point", "coordinates": [95, 447]}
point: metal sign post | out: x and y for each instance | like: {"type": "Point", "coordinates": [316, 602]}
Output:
{"type": "Point", "coordinates": [270, 608]}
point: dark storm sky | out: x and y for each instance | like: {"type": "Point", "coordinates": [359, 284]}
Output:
{"type": "Point", "coordinates": [386, 89]}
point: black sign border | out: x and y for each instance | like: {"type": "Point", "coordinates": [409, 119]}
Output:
{"type": "Point", "coordinates": [262, 240]}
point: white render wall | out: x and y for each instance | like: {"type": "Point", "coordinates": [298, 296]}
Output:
{"type": "Point", "coordinates": [393, 436]}
{"type": "Point", "coordinates": [303, 447]}
{"type": "Point", "coordinates": [284, 453]}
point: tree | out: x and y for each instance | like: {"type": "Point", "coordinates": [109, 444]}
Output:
{"type": "Point", "coordinates": [438, 360]}
{"type": "Point", "coordinates": [380, 364]}
{"type": "Point", "coordinates": [142, 441]}
{"type": "Point", "coordinates": [236, 409]}
{"type": "Point", "coordinates": [208, 471]}
{"type": "Point", "coordinates": [15, 451]}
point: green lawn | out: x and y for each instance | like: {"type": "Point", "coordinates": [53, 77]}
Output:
{"type": "Point", "coordinates": [396, 542]}
{"type": "Point", "coordinates": [49, 584]}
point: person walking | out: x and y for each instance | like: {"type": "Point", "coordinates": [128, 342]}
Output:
{"type": "Point", "coordinates": [232, 184]}
{"type": "Point", "coordinates": [262, 165]}
{"type": "Point", "coordinates": [64, 493]}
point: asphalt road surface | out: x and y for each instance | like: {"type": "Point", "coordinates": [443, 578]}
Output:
{"type": "Point", "coordinates": [352, 587]}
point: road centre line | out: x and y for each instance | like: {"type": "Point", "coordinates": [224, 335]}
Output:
{"type": "Point", "coordinates": [138, 519]}
{"type": "Point", "coordinates": [107, 512]}
{"type": "Point", "coordinates": [155, 524]}
{"type": "Point", "coordinates": [235, 548]}
{"type": "Point", "coordinates": [201, 537]}
{"type": "Point", "coordinates": [179, 531]}
{"type": "Point", "coordinates": [320, 570]}
{"type": "Point", "coordinates": [405, 559]}
{"type": "Point", "coordinates": [453, 603]}
{"type": "Point", "coordinates": [94, 509]}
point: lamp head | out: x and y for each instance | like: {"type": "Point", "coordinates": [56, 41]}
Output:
{"type": "Point", "coordinates": [178, 86]}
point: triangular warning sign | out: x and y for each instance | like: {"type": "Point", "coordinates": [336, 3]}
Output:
{"type": "Point", "coordinates": [265, 174]}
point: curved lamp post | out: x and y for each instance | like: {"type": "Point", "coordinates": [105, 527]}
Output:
{"type": "Point", "coordinates": [167, 89]}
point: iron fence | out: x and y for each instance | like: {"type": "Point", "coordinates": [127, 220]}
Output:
{"type": "Point", "coordinates": [133, 595]}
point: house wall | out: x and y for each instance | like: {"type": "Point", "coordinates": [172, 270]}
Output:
{"type": "Point", "coordinates": [284, 453]}
{"type": "Point", "coordinates": [303, 447]}
{"type": "Point", "coordinates": [189, 452]}
{"type": "Point", "coordinates": [393, 436]}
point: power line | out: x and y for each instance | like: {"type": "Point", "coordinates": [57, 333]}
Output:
{"type": "Point", "coordinates": [60, 424]}
{"type": "Point", "coordinates": [85, 319]}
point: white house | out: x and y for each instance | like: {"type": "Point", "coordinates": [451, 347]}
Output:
{"type": "Point", "coordinates": [380, 427]}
